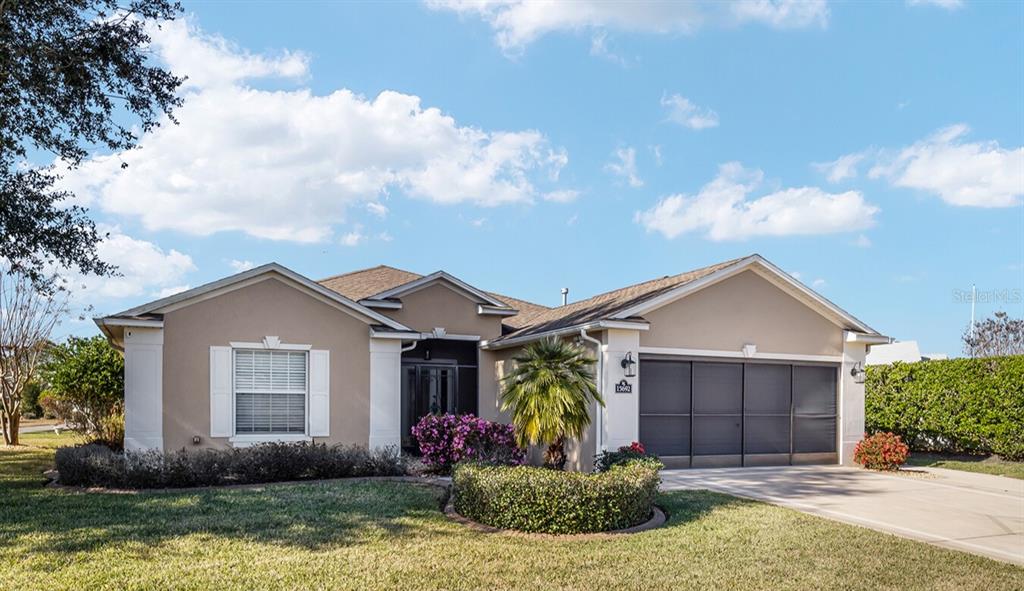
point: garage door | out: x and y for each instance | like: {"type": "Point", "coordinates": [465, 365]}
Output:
{"type": "Point", "coordinates": [704, 413]}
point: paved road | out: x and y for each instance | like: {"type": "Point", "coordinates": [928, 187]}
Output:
{"type": "Point", "coordinates": [39, 428]}
{"type": "Point", "coordinates": [975, 513]}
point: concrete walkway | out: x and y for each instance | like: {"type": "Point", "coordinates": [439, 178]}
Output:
{"type": "Point", "coordinates": [975, 513]}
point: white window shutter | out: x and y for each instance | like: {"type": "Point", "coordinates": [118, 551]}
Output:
{"type": "Point", "coordinates": [319, 393]}
{"type": "Point", "coordinates": [220, 392]}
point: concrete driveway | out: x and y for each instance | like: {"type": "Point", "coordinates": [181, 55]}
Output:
{"type": "Point", "coordinates": [974, 513]}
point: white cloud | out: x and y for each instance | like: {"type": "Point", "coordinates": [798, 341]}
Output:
{"type": "Point", "coordinates": [517, 23]}
{"type": "Point", "coordinates": [355, 237]}
{"type": "Point", "coordinates": [144, 269]}
{"type": "Point", "coordinates": [169, 291]}
{"type": "Point", "coordinates": [840, 169]}
{"type": "Point", "coordinates": [979, 174]}
{"type": "Point", "coordinates": [385, 237]}
{"type": "Point", "coordinates": [478, 222]}
{"type": "Point", "coordinates": [599, 48]}
{"type": "Point", "coordinates": [564, 196]}
{"type": "Point", "coordinates": [240, 266]}
{"type": "Point", "coordinates": [286, 165]}
{"type": "Point", "coordinates": [625, 166]}
{"type": "Point", "coordinates": [682, 111]}
{"type": "Point", "coordinates": [378, 209]}
{"type": "Point", "coordinates": [862, 241]}
{"type": "Point", "coordinates": [818, 283]}
{"type": "Point", "coordinates": [656, 152]}
{"type": "Point", "coordinates": [211, 60]}
{"type": "Point", "coordinates": [782, 14]}
{"type": "Point", "coordinates": [572, 219]}
{"type": "Point", "coordinates": [722, 210]}
{"type": "Point", "coordinates": [947, 4]}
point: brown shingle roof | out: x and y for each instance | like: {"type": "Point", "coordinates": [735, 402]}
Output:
{"type": "Point", "coordinates": [532, 318]}
{"type": "Point", "coordinates": [602, 306]}
{"type": "Point", "coordinates": [364, 283]}
{"type": "Point", "coordinates": [357, 285]}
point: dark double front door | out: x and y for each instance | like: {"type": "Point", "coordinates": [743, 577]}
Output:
{"type": "Point", "coordinates": [708, 413]}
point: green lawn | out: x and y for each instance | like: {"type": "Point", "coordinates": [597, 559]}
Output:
{"type": "Point", "coordinates": [989, 465]}
{"type": "Point", "coordinates": [346, 535]}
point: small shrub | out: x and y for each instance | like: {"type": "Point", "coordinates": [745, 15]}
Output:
{"type": "Point", "coordinates": [627, 454]}
{"type": "Point", "coordinates": [551, 501]}
{"type": "Point", "coordinates": [446, 440]}
{"type": "Point", "coordinates": [881, 451]}
{"type": "Point", "coordinates": [98, 465]}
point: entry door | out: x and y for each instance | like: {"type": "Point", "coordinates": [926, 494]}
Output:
{"type": "Point", "coordinates": [426, 389]}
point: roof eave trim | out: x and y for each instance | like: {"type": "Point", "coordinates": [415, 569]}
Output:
{"type": "Point", "coordinates": [483, 310]}
{"type": "Point", "coordinates": [381, 304]}
{"type": "Point", "coordinates": [136, 322]}
{"type": "Point", "coordinates": [869, 339]}
{"type": "Point", "coordinates": [226, 282]}
{"type": "Point", "coordinates": [398, 290]}
{"type": "Point", "coordinates": [725, 272]}
{"type": "Point", "coordinates": [598, 325]}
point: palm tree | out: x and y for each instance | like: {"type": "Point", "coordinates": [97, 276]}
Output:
{"type": "Point", "coordinates": [549, 391]}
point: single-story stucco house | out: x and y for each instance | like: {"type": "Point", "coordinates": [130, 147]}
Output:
{"type": "Point", "coordinates": [733, 364]}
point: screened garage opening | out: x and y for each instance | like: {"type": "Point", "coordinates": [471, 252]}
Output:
{"type": "Point", "coordinates": [699, 413]}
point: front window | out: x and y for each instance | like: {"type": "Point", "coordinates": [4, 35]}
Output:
{"type": "Point", "coordinates": [270, 392]}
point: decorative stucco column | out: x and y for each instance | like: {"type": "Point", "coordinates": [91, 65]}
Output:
{"type": "Point", "coordinates": [621, 394]}
{"type": "Point", "coordinates": [385, 393]}
{"type": "Point", "coordinates": [143, 388]}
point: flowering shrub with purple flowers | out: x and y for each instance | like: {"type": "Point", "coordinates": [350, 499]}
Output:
{"type": "Point", "coordinates": [446, 440]}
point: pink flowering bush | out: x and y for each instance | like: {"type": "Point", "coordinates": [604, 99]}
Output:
{"type": "Point", "coordinates": [446, 440]}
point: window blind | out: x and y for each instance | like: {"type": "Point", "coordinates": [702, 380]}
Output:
{"type": "Point", "coordinates": [270, 391]}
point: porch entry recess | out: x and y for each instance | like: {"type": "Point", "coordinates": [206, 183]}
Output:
{"type": "Point", "coordinates": [710, 414]}
{"type": "Point", "coordinates": [438, 377]}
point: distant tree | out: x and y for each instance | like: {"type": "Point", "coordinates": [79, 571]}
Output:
{"type": "Point", "coordinates": [85, 386]}
{"type": "Point", "coordinates": [75, 75]}
{"type": "Point", "coordinates": [27, 318]}
{"type": "Point", "coordinates": [995, 337]}
{"type": "Point", "coordinates": [549, 391]}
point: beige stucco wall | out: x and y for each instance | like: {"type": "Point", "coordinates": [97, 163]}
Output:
{"type": "Point", "coordinates": [267, 308]}
{"type": "Point", "coordinates": [742, 309]}
{"type": "Point", "coordinates": [493, 367]}
{"type": "Point", "coordinates": [439, 306]}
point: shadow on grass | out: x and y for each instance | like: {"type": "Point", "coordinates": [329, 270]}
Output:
{"type": "Point", "coordinates": [308, 515]}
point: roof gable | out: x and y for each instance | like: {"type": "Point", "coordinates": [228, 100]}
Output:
{"type": "Point", "coordinates": [765, 269]}
{"type": "Point", "coordinates": [450, 281]}
{"type": "Point", "coordinates": [263, 272]}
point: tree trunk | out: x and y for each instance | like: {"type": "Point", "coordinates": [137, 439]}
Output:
{"type": "Point", "coordinates": [15, 424]}
{"type": "Point", "coordinates": [554, 457]}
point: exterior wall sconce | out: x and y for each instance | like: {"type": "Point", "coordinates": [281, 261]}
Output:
{"type": "Point", "coordinates": [628, 365]}
{"type": "Point", "coordinates": [858, 372]}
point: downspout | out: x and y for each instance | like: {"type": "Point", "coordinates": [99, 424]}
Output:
{"type": "Point", "coordinates": [410, 347]}
{"type": "Point", "coordinates": [600, 388]}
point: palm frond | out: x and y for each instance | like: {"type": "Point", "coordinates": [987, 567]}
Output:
{"type": "Point", "coordinates": [549, 392]}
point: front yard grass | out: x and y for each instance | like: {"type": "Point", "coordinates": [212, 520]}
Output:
{"type": "Point", "coordinates": [984, 465]}
{"type": "Point", "coordinates": [388, 535]}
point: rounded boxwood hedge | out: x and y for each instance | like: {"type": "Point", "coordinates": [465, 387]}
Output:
{"type": "Point", "coordinates": [541, 500]}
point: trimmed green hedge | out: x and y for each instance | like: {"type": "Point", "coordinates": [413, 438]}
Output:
{"type": "Point", "coordinates": [541, 500]}
{"type": "Point", "coordinates": [955, 405]}
{"type": "Point", "coordinates": [98, 465]}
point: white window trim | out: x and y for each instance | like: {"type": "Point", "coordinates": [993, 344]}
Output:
{"type": "Point", "coordinates": [273, 343]}
{"type": "Point", "coordinates": [249, 439]}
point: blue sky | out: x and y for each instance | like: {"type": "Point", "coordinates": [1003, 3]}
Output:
{"type": "Point", "coordinates": [873, 149]}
